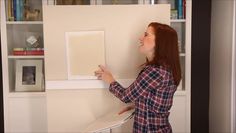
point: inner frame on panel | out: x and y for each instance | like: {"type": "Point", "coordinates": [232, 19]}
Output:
{"type": "Point", "coordinates": [85, 51]}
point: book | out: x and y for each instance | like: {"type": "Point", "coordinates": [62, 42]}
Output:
{"type": "Point", "coordinates": [14, 9]}
{"type": "Point", "coordinates": [28, 51]}
{"type": "Point", "coordinates": [180, 9]}
{"type": "Point", "coordinates": [21, 6]}
{"type": "Point", "coordinates": [172, 3]}
{"type": "Point", "coordinates": [9, 14]}
{"type": "Point", "coordinates": [184, 8]}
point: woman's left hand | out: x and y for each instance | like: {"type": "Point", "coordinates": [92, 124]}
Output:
{"type": "Point", "coordinates": [104, 74]}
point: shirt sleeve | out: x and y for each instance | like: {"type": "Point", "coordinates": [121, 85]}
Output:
{"type": "Point", "coordinates": [148, 79]}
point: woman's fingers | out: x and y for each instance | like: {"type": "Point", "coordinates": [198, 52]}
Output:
{"type": "Point", "coordinates": [98, 72]}
{"type": "Point", "coordinates": [99, 77]}
{"type": "Point", "coordinates": [103, 68]}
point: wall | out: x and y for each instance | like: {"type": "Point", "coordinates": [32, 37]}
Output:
{"type": "Point", "coordinates": [220, 65]}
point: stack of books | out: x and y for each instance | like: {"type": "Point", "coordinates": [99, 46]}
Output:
{"type": "Point", "coordinates": [15, 10]}
{"type": "Point", "coordinates": [178, 9]}
{"type": "Point", "coordinates": [28, 51]}
{"type": "Point", "coordinates": [21, 10]}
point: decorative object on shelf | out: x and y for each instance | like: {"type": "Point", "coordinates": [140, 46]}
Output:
{"type": "Point", "coordinates": [32, 15]}
{"type": "Point", "coordinates": [33, 45]}
{"type": "Point", "coordinates": [29, 13]}
{"type": "Point", "coordinates": [32, 39]}
{"type": "Point", "coordinates": [29, 75]}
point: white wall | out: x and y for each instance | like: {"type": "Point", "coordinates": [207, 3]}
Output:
{"type": "Point", "coordinates": [220, 65]}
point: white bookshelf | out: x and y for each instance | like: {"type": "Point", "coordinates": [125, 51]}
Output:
{"type": "Point", "coordinates": [19, 105]}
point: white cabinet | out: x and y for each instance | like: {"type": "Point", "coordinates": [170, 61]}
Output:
{"type": "Point", "coordinates": [27, 114]}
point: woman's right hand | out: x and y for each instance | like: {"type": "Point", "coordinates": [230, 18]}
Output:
{"type": "Point", "coordinates": [130, 107]}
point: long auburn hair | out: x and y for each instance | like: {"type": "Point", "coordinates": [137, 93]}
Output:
{"type": "Point", "coordinates": [166, 49]}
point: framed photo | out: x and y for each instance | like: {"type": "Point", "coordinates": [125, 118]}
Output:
{"type": "Point", "coordinates": [29, 75]}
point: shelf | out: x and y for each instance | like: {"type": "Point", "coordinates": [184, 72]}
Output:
{"type": "Point", "coordinates": [182, 54]}
{"type": "Point", "coordinates": [89, 84]}
{"type": "Point", "coordinates": [26, 94]}
{"type": "Point", "coordinates": [177, 20]}
{"type": "Point", "coordinates": [26, 57]}
{"type": "Point", "coordinates": [83, 84]}
{"type": "Point", "coordinates": [24, 22]}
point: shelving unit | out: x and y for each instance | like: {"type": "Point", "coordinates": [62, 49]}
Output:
{"type": "Point", "coordinates": [17, 32]}
{"type": "Point", "coordinates": [20, 105]}
{"type": "Point", "coordinates": [12, 33]}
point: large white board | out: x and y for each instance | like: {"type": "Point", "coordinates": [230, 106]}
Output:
{"type": "Point", "coordinates": [122, 26]}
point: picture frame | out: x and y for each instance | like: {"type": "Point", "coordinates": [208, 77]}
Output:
{"type": "Point", "coordinates": [85, 50]}
{"type": "Point", "coordinates": [29, 75]}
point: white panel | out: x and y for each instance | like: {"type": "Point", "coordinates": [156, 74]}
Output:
{"type": "Point", "coordinates": [220, 66]}
{"type": "Point", "coordinates": [121, 34]}
{"type": "Point", "coordinates": [27, 115]}
{"type": "Point", "coordinates": [178, 119]}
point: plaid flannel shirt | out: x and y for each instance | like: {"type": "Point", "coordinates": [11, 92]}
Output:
{"type": "Point", "coordinates": [152, 93]}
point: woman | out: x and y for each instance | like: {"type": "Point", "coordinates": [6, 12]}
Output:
{"type": "Point", "coordinates": [152, 91]}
